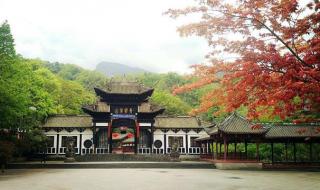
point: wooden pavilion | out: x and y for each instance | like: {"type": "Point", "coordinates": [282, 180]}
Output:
{"type": "Point", "coordinates": [238, 132]}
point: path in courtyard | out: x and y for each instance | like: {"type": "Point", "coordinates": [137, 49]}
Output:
{"type": "Point", "coordinates": [153, 179]}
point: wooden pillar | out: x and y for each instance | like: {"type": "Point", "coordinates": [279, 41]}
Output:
{"type": "Point", "coordinates": [246, 149]}
{"type": "Point", "coordinates": [220, 149]}
{"type": "Point", "coordinates": [80, 144]}
{"type": "Point", "coordinates": [137, 135]}
{"type": "Point", "coordinates": [225, 148]}
{"type": "Point", "coordinates": [272, 158]}
{"type": "Point", "coordinates": [294, 152]}
{"type": "Point", "coordinates": [217, 153]}
{"type": "Point", "coordinates": [310, 151]}
{"type": "Point", "coordinates": [187, 145]}
{"type": "Point", "coordinates": [94, 136]}
{"type": "Point", "coordinates": [165, 143]}
{"type": "Point", "coordinates": [286, 151]}
{"type": "Point", "coordinates": [235, 150]}
{"type": "Point", "coordinates": [110, 136]}
{"type": "Point", "coordinates": [151, 138]}
{"type": "Point", "coordinates": [257, 149]}
{"type": "Point", "coordinates": [57, 148]}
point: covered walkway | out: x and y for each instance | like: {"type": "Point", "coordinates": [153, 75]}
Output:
{"type": "Point", "coordinates": [237, 139]}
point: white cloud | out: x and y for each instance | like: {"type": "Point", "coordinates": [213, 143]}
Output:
{"type": "Point", "coordinates": [86, 32]}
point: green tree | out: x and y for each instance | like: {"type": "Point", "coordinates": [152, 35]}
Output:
{"type": "Point", "coordinates": [173, 104]}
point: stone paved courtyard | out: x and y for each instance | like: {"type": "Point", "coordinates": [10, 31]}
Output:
{"type": "Point", "coordinates": [162, 179]}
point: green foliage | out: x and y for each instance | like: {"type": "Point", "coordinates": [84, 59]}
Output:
{"type": "Point", "coordinates": [32, 142]}
{"type": "Point", "coordinates": [173, 104]}
{"type": "Point", "coordinates": [7, 50]}
{"type": "Point", "coordinates": [91, 79]}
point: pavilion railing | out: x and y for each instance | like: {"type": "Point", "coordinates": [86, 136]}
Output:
{"type": "Point", "coordinates": [62, 150]}
{"type": "Point", "coordinates": [236, 156]}
{"type": "Point", "coordinates": [194, 150]}
{"type": "Point", "coordinates": [181, 150]}
{"type": "Point", "coordinates": [144, 150]}
{"type": "Point", "coordinates": [158, 151]}
{"type": "Point", "coordinates": [102, 151]}
{"type": "Point", "coordinates": [87, 151]}
{"type": "Point", "coordinates": [51, 150]}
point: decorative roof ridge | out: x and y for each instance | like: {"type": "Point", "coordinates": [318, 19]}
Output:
{"type": "Point", "coordinates": [288, 124]}
{"type": "Point", "coordinates": [229, 119]}
{"type": "Point", "coordinates": [106, 91]}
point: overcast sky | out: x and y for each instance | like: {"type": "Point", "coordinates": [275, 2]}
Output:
{"type": "Point", "coordinates": [86, 32]}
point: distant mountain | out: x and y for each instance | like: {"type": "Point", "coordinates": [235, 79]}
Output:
{"type": "Point", "coordinates": [112, 69]}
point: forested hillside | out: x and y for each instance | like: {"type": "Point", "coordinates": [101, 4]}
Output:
{"type": "Point", "coordinates": [113, 69]}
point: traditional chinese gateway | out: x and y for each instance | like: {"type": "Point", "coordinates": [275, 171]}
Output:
{"type": "Point", "coordinates": [123, 121]}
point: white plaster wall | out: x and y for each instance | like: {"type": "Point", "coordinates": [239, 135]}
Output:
{"type": "Point", "coordinates": [158, 135]}
{"type": "Point", "coordinates": [86, 134]}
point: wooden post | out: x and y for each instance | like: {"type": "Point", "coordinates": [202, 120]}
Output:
{"type": "Point", "coordinates": [137, 136]}
{"type": "Point", "coordinates": [272, 158]}
{"type": "Point", "coordinates": [235, 150]}
{"type": "Point", "coordinates": [246, 149]}
{"type": "Point", "coordinates": [286, 151]}
{"type": "Point", "coordinates": [187, 145]}
{"type": "Point", "coordinates": [165, 143]}
{"type": "Point", "coordinates": [225, 148]}
{"type": "Point", "coordinates": [216, 151]}
{"type": "Point", "coordinates": [94, 134]}
{"type": "Point", "coordinates": [57, 148]}
{"type": "Point", "coordinates": [257, 149]}
{"type": "Point", "coordinates": [294, 152]}
{"type": "Point", "coordinates": [310, 151]}
{"type": "Point", "coordinates": [152, 138]}
{"type": "Point", "coordinates": [110, 136]}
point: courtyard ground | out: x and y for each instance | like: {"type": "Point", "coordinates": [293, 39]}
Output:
{"type": "Point", "coordinates": [154, 179]}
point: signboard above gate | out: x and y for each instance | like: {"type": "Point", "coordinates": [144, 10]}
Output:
{"type": "Point", "coordinates": [123, 116]}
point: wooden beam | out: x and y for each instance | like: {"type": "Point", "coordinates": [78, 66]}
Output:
{"type": "Point", "coordinates": [272, 155]}
{"type": "Point", "coordinates": [286, 151]}
{"type": "Point", "coordinates": [216, 151]}
{"type": "Point", "coordinates": [235, 150]}
{"type": "Point", "coordinates": [225, 148]}
{"type": "Point", "coordinates": [246, 149]}
{"type": "Point", "coordinates": [294, 152]}
{"type": "Point", "coordinates": [310, 151]}
{"type": "Point", "coordinates": [257, 151]}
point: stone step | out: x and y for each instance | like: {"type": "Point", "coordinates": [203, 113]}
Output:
{"type": "Point", "coordinates": [110, 165]}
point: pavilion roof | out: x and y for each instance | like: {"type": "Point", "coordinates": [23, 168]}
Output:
{"type": "Point", "coordinates": [293, 131]}
{"type": "Point", "coordinates": [203, 137]}
{"type": "Point", "coordinates": [236, 124]}
{"type": "Point", "coordinates": [68, 121]}
{"type": "Point", "coordinates": [125, 87]}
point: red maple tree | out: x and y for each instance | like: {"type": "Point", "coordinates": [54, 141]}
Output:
{"type": "Point", "coordinates": [275, 50]}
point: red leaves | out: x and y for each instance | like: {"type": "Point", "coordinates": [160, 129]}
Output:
{"type": "Point", "coordinates": [256, 127]}
{"type": "Point", "coordinates": [279, 56]}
